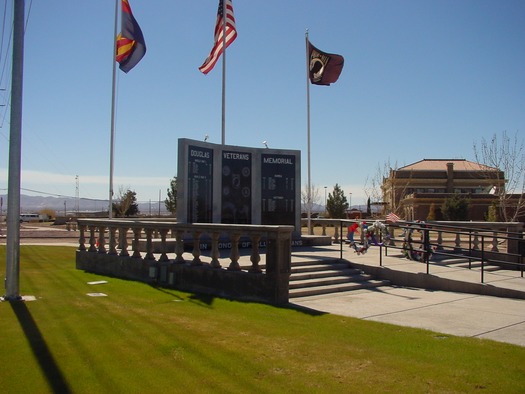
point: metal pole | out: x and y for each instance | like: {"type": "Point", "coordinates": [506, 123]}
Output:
{"type": "Point", "coordinates": [113, 105]}
{"type": "Point", "coordinates": [482, 258]}
{"type": "Point", "coordinates": [12, 282]}
{"type": "Point", "coordinates": [342, 241]}
{"type": "Point", "coordinates": [426, 247]}
{"type": "Point", "coordinates": [309, 191]}
{"type": "Point", "coordinates": [223, 124]}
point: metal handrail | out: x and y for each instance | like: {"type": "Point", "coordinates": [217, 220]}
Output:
{"type": "Point", "coordinates": [471, 252]}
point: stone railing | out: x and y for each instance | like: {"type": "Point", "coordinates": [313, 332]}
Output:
{"type": "Point", "coordinates": [155, 252]}
{"type": "Point", "coordinates": [502, 237]}
{"type": "Point", "coordinates": [332, 225]}
{"type": "Point", "coordinates": [463, 233]}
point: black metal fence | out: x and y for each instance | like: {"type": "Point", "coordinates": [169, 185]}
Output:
{"type": "Point", "coordinates": [431, 243]}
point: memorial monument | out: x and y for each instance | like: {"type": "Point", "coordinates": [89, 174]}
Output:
{"type": "Point", "coordinates": [238, 185]}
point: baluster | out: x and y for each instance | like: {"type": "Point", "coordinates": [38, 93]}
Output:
{"type": "Point", "coordinates": [135, 243]}
{"type": "Point", "coordinates": [149, 244]}
{"type": "Point", "coordinates": [196, 249]}
{"type": "Point", "coordinates": [475, 243]}
{"type": "Point", "coordinates": [101, 239]}
{"type": "Point", "coordinates": [391, 234]}
{"type": "Point", "coordinates": [82, 238]}
{"type": "Point", "coordinates": [215, 250]}
{"type": "Point", "coordinates": [495, 242]}
{"type": "Point", "coordinates": [123, 241]}
{"type": "Point", "coordinates": [457, 246]}
{"type": "Point", "coordinates": [439, 240]}
{"type": "Point", "coordinates": [255, 257]}
{"type": "Point", "coordinates": [336, 234]}
{"type": "Point", "coordinates": [92, 239]}
{"type": "Point", "coordinates": [179, 247]}
{"type": "Point", "coordinates": [324, 228]}
{"type": "Point", "coordinates": [163, 246]}
{"type": "Point", "coordinates": [112, 240]}
{"type": "Point", "coordinates": [234, 253]}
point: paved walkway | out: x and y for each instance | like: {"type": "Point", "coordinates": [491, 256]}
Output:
{"type": "Point", "coordinates": [462, 314]}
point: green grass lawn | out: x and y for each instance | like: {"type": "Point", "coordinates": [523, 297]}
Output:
{"type": "Point", "coordinates": [142, 339]}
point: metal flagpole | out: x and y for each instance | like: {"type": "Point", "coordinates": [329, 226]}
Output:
{"type": "Point", "coordinates": [223, 139]}
{"type": "Point", "coordinates": [12, 281]}
{"type": "Point", "coordinates": [113, 105]}
{"type": "Point", "coordinates": [309, 191]}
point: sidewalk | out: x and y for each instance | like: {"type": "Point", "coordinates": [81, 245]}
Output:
{"type": "Point", "coordinates": [448, 312]}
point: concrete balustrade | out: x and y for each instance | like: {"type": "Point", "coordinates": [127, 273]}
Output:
{"type": "Point", "coordinates": [188, 256]}
{"type": "Point", "coordinates": [157, 259]}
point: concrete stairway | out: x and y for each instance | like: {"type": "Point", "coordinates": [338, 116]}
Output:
{"type": "Point", "coordinates": [328, 276]}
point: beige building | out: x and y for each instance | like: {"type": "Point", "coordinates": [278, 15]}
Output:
{"type": "Point", "coordinates": [411, 190]}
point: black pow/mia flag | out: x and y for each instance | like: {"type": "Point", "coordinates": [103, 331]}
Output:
{"type": "Point", "coordinates": [324, 68]}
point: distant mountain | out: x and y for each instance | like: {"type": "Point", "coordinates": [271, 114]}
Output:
{"type": "Point", "coordinates": [67, 205]}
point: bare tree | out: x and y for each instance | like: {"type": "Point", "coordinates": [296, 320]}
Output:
{"type": "Point", "coordinates": [506, 154]}
{"type": "Point", "coordinates": [314, 198]}
{"type": "Point", "coordinates": [374, 182]}
{"type": "Point", "coordinates": [380, 187]}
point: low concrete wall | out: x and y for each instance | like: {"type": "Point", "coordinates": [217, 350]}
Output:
{"type": "Point", "coordinates": [185, 277]}
{"type": "Point", "coordinates": [431, 282]}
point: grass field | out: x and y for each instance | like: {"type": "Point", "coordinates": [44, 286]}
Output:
{"type": "Point", "coordinates": [142, 339]}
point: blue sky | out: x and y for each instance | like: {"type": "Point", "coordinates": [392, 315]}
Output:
{"type": "Point", "coordinates": [422, 79]}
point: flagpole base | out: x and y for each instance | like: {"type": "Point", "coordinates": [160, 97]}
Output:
{"type": "Point", "coordinates": [11, 298]}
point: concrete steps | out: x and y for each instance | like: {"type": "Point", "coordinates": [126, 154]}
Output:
{"type": "Point", "coordinates": [328, 276]}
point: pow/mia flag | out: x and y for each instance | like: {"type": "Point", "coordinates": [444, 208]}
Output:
{"type": "Point", "coordinates": [324, 68]}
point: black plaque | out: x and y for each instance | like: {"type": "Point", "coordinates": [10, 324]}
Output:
{"type": "Point", "coordinates": [278, 189]}
{"type": "Point", "coordinates": [236, 187]}
{"type": "Point", "coordinates": [200, 184]}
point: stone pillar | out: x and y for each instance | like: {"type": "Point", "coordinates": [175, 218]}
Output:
{"type": "Point", "coordinates": [278, 264]}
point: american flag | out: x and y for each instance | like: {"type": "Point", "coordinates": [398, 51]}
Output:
{"type": "Point", "coordinates": [392, 217]}
{"type": "Point", "coordinates": [231, 35]}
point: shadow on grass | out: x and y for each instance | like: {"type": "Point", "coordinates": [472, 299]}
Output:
{"type": "Point", "coordinates": [207, 300]}
{"type": "Point", "coordinates": [49, 367]}
{"type": "Point", "coordinates": [304, 309]}
{"type": "Point", "coordinates": [202, 299]}
{"type": "Point", "coordinates": [171, 292]}
{"type": "Point", "coordinates": [197, 298]}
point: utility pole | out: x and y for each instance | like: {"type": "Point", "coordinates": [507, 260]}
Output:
{"type": "Point", "coordinates": [77, 194]}
{"type": "Point", "coordinates": [12, 281]}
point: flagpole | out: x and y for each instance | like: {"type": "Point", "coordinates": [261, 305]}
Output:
{"type": "Point", "coordinates": [223, 128]}
{"type": "Point", "coordinates": [12, 277]}
{"type": "Point", "coordinates": [309, 191]}
{"type": "Point", "coordinates": [113, 105]}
